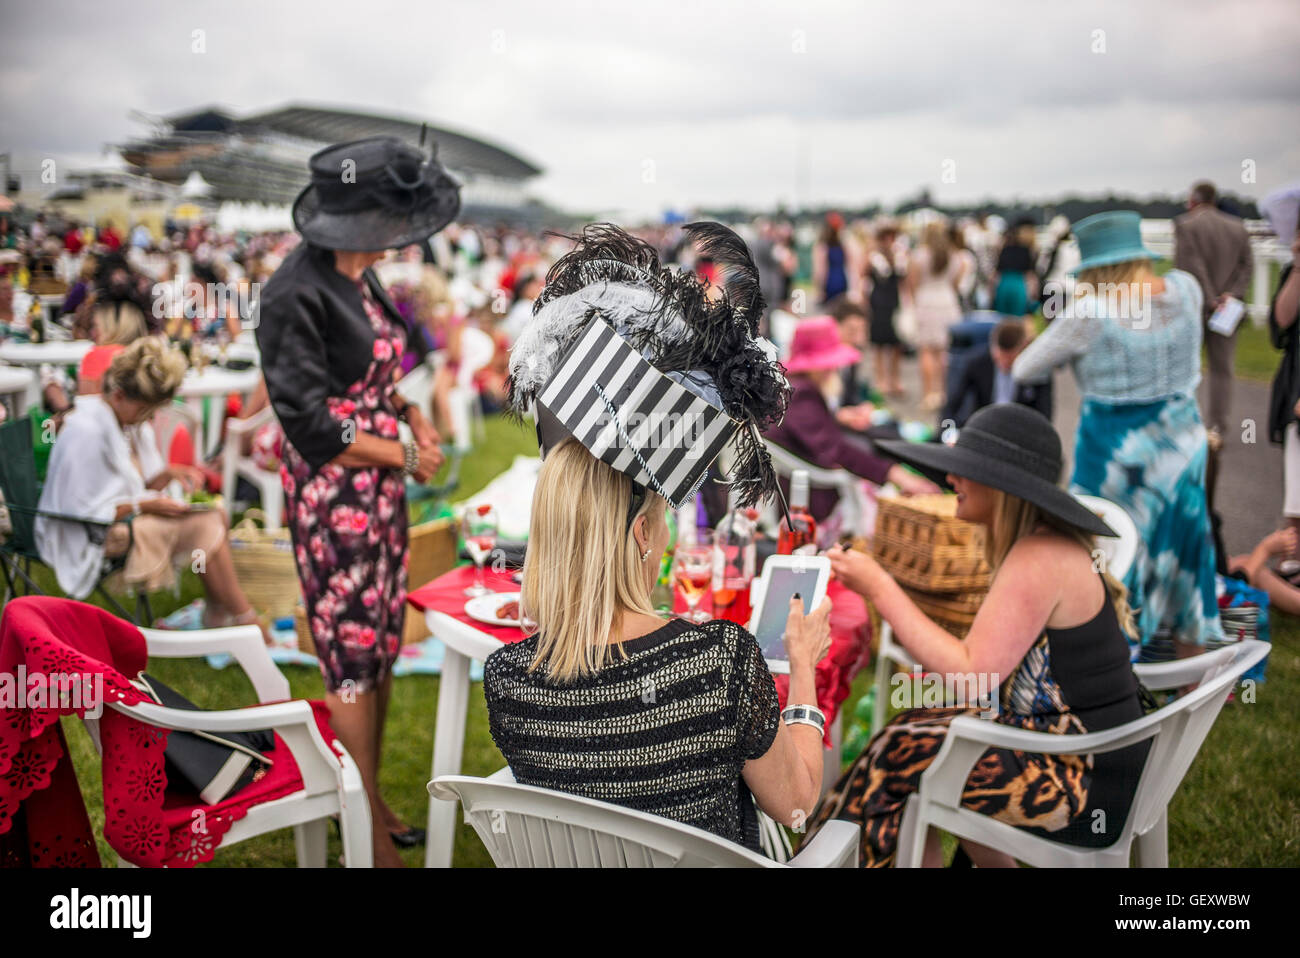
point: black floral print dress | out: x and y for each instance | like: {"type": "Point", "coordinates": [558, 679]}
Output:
{"type": "Point", "coordinates": [349, 530]}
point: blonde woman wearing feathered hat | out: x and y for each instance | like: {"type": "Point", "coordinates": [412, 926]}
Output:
{"type": "Point", "coordinates": [607, 699]}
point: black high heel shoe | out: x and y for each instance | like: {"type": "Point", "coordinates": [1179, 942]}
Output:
{"type": "Point", "coordinates": [409, 838]}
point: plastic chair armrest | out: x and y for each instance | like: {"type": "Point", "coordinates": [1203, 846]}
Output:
{"type": "Point", "coordinates": [968, 738]}
{"type": "Point", "coordinates": [242, 642]}
{"type": "Point", "coordinates": [834, 846]}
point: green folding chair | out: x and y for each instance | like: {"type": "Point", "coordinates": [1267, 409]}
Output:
{"type": "Point", "coordinates": [22, 494]}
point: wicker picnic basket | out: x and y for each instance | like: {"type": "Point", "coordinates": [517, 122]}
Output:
{"type": "Point", "coordinates": [303, 630]}
{"type": "Point", "coordinates": [921, 543]}
{"type": "Point", "coordinates": [264, 563]}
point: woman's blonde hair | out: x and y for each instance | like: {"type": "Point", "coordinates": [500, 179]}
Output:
{"type": "Point", "coordinates": [583, 571]}
{"type": "Point", "coordinates": [1129, 271]}
{"type": "Point", "coordinates": [119, 323]}
{"type": "Point", "coordinates": [148, 371]}
{"type": "Point", "coordinates": [937, 239]}
{"type": "Point", "coordinates": [1014, 518]}
{"type": "Point", "coordinates": [430, 293]}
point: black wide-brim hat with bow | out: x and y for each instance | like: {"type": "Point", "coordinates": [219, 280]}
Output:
{"type": "Point", "coordinates": [374, 194]}
{"type": "Point", "coordinates": [1011, 448]}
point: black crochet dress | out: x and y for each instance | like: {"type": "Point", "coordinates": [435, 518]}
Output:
{"type": "Point", "coordinates": [665, 730]}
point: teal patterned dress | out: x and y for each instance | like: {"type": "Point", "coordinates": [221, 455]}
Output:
{"type": "Point", "coordinates": [1150, 459]}
{"type": "Point", "coordinates": [1142, 445]}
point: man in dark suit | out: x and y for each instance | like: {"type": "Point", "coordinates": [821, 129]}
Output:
{"type": "Point", "coordinates": [1213, 247]}
{"type": "Point", "coordinates": [986, 378]}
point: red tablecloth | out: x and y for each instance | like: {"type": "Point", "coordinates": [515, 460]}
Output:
{"type": "Point", "coordinates": [850, 631]}
{"type": "Point", "coordinates": [447, 594]}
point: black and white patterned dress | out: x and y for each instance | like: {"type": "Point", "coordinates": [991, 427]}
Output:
{"type": "Point", "coordinates": [665, 728]}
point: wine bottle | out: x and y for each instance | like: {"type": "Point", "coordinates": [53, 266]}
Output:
{"type": "Point", "coordinates": [799, 535]}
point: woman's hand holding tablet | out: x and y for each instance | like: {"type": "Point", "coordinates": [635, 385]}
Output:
{"type": "Point", "coordinates": [783, 577]}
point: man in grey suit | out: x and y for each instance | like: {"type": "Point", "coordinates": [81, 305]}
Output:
{"type": "Point", "coordinates": [1213, 247]}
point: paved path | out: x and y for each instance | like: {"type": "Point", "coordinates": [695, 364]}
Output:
{"type": "Point", "coordinates": [1249, 496]}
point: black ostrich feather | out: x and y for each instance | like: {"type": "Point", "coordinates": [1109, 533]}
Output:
{"type": "Point", "coordinates": [728, 250]}
{"type": "Point", "coordinates": [601, 251]}
{"type": "Point", "coordinates": [719, 337]}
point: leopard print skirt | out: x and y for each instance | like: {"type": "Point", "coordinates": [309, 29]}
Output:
{"type": "Point", "coordinates": [1043, 791]}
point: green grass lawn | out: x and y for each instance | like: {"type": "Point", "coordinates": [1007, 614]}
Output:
{"type": "Point", "coordinates": [1239, 805]}
{"type": "Point", "coordinates": [1256, 357]}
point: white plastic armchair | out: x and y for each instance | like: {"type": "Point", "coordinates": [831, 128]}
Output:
{"type": "Point", "coordinates": [1119, 551]}
{"type": "Point", "coordinates": [331, 781]}
{"type": "Point", "coordinates": [476, 350]}
{"type": "Point", "coordinates": [417, 387]}
{"type": "Point", "coordinates": [234, 464]}
{"type": "Point", "coordinates": [527, 827]}
{"type": "Point", "coordinates": [1175, 731]}
{"type": "Point", "coordinates": [889, 655]}
{"type": "Point", "coordinates": [171, 417]}
{"type": "Point", "coordinates": [851, 506]}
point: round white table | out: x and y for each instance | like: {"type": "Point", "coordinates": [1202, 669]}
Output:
{"type": "Point", "coordinates": [215, 381]}
{"type": "Point", "coordinates": [19, 388]}
{"type": "Point", "coordinates": [38, 354]}
{"type": "Point", "coordinates": [464, 643]}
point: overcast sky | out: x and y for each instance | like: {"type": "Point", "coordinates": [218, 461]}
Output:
{"type": "Point", "coordinates": [647, 105]}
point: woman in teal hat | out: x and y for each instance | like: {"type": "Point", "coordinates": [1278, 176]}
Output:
{"type": "Point", "coordinates": [1134, 341]}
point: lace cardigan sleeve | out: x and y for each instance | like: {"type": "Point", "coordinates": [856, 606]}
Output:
{"type": "Point", "coordinates": [1067, 338]}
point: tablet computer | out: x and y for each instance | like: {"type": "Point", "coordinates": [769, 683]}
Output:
{"type": "Point", "coordinates": [782, 577]}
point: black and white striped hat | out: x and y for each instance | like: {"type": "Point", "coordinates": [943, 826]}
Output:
{"type": "Point", "coordinates": [648, 368]}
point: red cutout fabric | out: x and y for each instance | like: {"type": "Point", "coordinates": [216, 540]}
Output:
{"type": "Point", "coordinates": [144, 822]}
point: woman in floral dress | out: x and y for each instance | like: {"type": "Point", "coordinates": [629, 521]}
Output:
{"type": "Point", "coordinates": [351, 555]}
{"type": "Point", "coordinates": [332, 346]}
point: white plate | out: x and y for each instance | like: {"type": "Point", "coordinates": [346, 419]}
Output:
{"type": "Point", "coordinates": [483, 608]}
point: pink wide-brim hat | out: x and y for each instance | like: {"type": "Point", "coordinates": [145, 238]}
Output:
{"type": "Point", "coordinates": [816, 345]}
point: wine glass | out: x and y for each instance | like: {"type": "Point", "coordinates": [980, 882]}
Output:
{"type": "Point", "coordinates": [479, 526]}
{"type": "Point", "coordinates": [693, 573]}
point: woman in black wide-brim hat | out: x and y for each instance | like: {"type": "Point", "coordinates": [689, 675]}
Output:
{"type": "Point", "coordinates": [332, 345]}
{"type": "Point", "coordinates": [1047, 647]}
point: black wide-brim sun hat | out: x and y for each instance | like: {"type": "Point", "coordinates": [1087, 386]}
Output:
{"type": "Point", "coordinates": [374, 194]}
{"type": "Point", "coordinates": [1011, 448]}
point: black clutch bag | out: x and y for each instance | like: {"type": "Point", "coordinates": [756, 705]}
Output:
{"type": "Point", "coordinates": [215, 765]}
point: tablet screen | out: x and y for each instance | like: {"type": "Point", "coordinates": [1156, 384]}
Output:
{"type": "Point", "coordinates": [781, 587]}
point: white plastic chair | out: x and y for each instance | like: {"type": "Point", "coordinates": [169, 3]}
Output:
{"type": "Point", "coordinates": [527, 827]}
{"type": "Point", "coordinates": [851, 505]}
{"type": "Point", "coordinates": [331, 780]}
{"type": "Point", "coordinates": [416, 387]}
{"type": "Point", "coordinates": [168, 420]}
{"type": "Point", "coordinates": [781, 327]}
{"type": "Point", "coordinates": [476, 350]}
{"type": "Point", "coordinates": [234, 464]}
{"type": "Point", "coordinates": [1176, 732]}
{"type": "Point", "coordinates": [1119, 553]}
{"type": "Point", "coordinates": [889, 655]}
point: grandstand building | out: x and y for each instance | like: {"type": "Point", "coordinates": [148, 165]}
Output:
{"type": "Point", "coordinates": [262, 158]}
